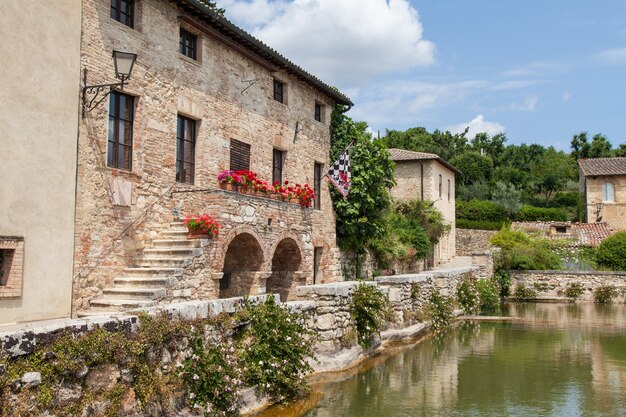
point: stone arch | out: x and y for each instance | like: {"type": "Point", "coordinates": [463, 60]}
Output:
{"type": "Point", "coordinates": [242, 263]}
{"type": "Point", "coordinates": [220, 251]}
{"type": "Point", "coordinates": [286, 264]}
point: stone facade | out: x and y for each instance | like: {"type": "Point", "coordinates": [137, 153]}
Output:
{"type": "Point", "coordinates": [212, 90]}
{"type": "Point", "coordinates": [473, 241]}
{"type": "Point", "coordinates": [39, 93]}
{"type": "Point", "coordinates": [552, 284]}
{"type": "Point", "coordinates": [603, 189]}
{"type": "Point", "coordinates": [427, 177]}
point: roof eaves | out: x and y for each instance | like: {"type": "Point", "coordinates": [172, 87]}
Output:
{"type": "Point", "coordinates": [265, 51]}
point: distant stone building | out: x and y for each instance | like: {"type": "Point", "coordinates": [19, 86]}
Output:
{"type": "Point", "coordinates": [426, 176]}
{"type": "Point", "coordinates": [39, 95]}
{"type": "Point", "coordinates": [603, 190]}
{"type": "Point", "coordinates": [579, 234]}
{"type": "Point", "coordinates": [204, 96]}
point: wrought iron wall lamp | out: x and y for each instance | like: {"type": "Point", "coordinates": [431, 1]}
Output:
{"type": "Point", "coordinates": [124, 62]}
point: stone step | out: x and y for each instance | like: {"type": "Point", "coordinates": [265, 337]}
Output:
{"type": "Point", "coordinates": [171, 252]}
{"type": "Point", "coordinates": [158, 262]}
{"type": "Point", "coordinates": [118, 304]}
{"type": "Point", "coordinates": [175, 234]}
{"type": "Point", "coordinates": [156, 281]}
{"type": "Point", "coordinates": [154, 272]}
{"type": "Point", "coordinates": [177, 224]}
{"type": "Point", "coordinates": [185, 243]}
{"type": "Point", "coordinates": [134, 293]}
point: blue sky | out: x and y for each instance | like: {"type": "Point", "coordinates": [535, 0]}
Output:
{"type": "Point", "coordinates": [539, 70]}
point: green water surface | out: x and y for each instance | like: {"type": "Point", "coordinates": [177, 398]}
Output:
{"type": "Point", "coordinates": [559, 360]}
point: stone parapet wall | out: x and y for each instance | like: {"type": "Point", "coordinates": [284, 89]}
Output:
{"type": "Point", "coordinates": [552, 284]}
{"type": "Point", "coordinates": [472, 241]}
{"type": "Point", "coordinates": [409, 293]}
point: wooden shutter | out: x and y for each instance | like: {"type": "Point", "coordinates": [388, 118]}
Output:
{"type": "Point", "coordinates": [239, 155]}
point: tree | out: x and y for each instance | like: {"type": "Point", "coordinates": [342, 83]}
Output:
{"type": "Point", "coordinates": [621, 151]}
{"type": "Point", "coordinates": [600, 147]}
{"type": "Point", "coordinates": [360, 216]}
{"type": "Point", "coordinates": [489, 145]}
{"type": "Point", "coordinates": [474, 167]}
{"type": "Point", "coordinates": [551, 173]}
{"type": "Point", "coordinates": [213, 6]}
{"type": "Point", "coordinates": [580, 146]}
{"type": "Point", "coordinates": [507, 195]}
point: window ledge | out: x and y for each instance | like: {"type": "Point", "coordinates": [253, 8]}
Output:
{"type": "Point", "coordinates": [185, 58]}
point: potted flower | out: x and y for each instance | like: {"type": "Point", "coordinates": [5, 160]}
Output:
{"type": "Point", "coordinates": [227, 179]}
{"type": "Point", "coordinates": [201, 226]}
{"type": "Point", "coordinates": [305, 195]}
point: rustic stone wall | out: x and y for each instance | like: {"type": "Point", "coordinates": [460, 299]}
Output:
{"type": "Point", "coordinates": [409, 293]}
{"type": "Point", "coordinates": [210, 91]}
{"type": "Point", "coordinates": [471, 241]}
{"type": "Point", "coordinates": [552, 284]}
{"type": "Point", "coordinates": [613, 212]}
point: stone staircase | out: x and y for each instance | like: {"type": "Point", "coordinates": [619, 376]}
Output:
{"type": "Point", "coordinates": [159, 267]}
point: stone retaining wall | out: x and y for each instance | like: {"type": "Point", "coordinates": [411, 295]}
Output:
{"type": "Point", "coordinates": [552, 284]}
{"type": "Point", "coordinates": [471, 241]}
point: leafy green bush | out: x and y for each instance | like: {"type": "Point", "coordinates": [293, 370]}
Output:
{"type": "Point", "coordinates": [523, 293]}
{"type": "Point", "coordinates": [480, 224]}
{"type": "Point", "coordinates": [532, 213]}
{"type": "Point", "coordinates": [503, 280]}
{"type": "Point", "coordinates": [370, 309]}
{"type": "Point", "coordinates": [489, 300]}
{"type": "Point", "coordinates": [574, 290]}
{"type": "Point", "coordinates": [274, 347]}
{"type": "Point", "coordinates": [612, 252]}
{"type": "Point", "coordinates": [468, 296]}
{"type": "Point", "coordinates": [440, 310]}
{"type": "Point", "coordinates": [521, 252]}
{"type": "Point", "coordinates": [481, 210]}
{"type": "Point", "coordinates": [566, 199]}
{"type": "Point", "coordinates": [605, 294]}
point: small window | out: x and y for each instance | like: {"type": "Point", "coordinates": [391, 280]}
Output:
{"type": "Point", "coordinates": [449, 190]}
{"type": "Point", "coordinates": [440, 185]}
{"type": "Point", "coordinates": [608, 192]}
{"type": "Point", "coordinates": [188, 44]}
{"type": "Point", "coordinates": [11, 266]}
{"type": "Point", "coordinates": [120, 142]}
{"type": "Point", "coordinates": [239, 155]}
{"type": "Point", "coordinates": [317, 257]}
{"type": "Point", "coordinates": [277, 166]}
{"type": "Point", "coordinates": [279, 91]}
{"type": "Point", "coordinates": [123, 11]}
{"type": "Point", "coordinates": [185, 149]}
{"type": "Point", "coordinates": [560, 229]}
{"type": "Point", "coordinates": [318, 112]}
{"type": "Point", "coordinates": [317, 185]}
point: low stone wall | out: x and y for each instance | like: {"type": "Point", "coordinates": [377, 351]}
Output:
{"type": "Point", "coordinates": [484, 263]}
{"type": "Point", "coordinates": [409, 293]}
{"type": "Point", "coordinates": [471, 241]}
{"type": "Point", "coordinates": [552, 284]}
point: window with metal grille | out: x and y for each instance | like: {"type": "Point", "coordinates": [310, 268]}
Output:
{"type": "Point", "coordinates": [239, 155]}
{"type": "Point", "coordinates": [318, 112]}
{"type": "Point", "coordinates": [123, 11]}
{"type": "Point", "coordinates": [317, 185]}
{"type": "Point", "coordinates": [120, 142]}
{"type": "Point", "coordinates": [185, 149]}
{"type": "Point", "coordinates": [188, 44]}
{"type": "Point", "coordinates": [279, 89]}
{"type": "Point", "coordinates": [277, 166]}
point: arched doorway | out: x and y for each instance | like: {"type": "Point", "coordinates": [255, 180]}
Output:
{"type": "Point", "coordinates": [285, 263]}
{"type": "Point", "coordinates": [243, 258]}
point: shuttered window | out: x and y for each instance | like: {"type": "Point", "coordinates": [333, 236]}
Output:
{"type": "Point", "coordinates": [279, 91]}
{"type": "Point", "coordinates": [239, 155]}
{"type": "Point", "coordinates": [185, 149]}
{"type": "Point", "coordinates": [277, 166]}
{"type": "Point", "coordinates": [120, 142]}
{"type": "Point", "coordinates": [317, 185]}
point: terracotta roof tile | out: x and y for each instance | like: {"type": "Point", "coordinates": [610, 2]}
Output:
{"type": "Point", "coordinates": [405, 155]}
{"type": "Point", "coordinates": [602, 166]}
{"type": "Point", "coordinates": [583, 234]}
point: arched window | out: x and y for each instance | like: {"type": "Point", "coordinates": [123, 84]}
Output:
{"type": "Point", "coordinates": [608, 192]}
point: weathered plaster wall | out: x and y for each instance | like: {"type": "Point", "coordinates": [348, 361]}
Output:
{"type": "Point", "coordinates": [166, 84]}
{"type": "Point", "coordinates": [614, 212]}
{"type": "Point", "coordinates": [472, 241]}
{"type": "Point", "coordinates": [39, 92]}
{"type": "Point", "coordinates": [552, 284]}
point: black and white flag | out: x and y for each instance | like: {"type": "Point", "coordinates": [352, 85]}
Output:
{"type": "Point", "coordinates": [339, 174]}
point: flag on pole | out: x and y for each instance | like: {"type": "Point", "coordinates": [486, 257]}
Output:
{"type": "Point", "coordinates": [339, 173]}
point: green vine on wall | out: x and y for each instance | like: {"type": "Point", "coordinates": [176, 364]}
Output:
{"type": "Point", "coordinates": [370, 309]}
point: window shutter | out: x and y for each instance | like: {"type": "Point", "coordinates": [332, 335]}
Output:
{"type": "Point", "coordinates": [239, 155]}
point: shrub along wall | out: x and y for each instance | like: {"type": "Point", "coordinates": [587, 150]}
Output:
{"type": "Point", "coordinates": [560, 284]}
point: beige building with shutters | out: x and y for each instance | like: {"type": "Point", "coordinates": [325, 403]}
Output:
{"type": "Point", "coordinates": [39, 96]}
{"type": "Point", "coordinates": [603, 190]}
{"type": "Point", "coordinates": [204, 96]}
{"type": "Point", "coordinates": [426, 176]}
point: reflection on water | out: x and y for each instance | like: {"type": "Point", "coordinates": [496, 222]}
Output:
{"type": "Point", "coordinates": [561, 360]}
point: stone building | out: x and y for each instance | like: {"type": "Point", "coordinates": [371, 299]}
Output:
{"type": "Point", "coordinates": [426, 176]}
{"type": "Point", "coordinates": [603, 190]}
{"type": "Point", "coordinates": [203, 96]}
{"type": "Point", "coordinates": [40, 43]}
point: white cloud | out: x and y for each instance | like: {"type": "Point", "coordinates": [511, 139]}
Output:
{"type": "Point", "coordinates": [345, 42]}
{"type": "Point", "coordinates": [567, 95]}
{"type": "Point", "coordinates": [527, 105]}
{"type": "Point", "coordinates": [534, 69]}
{"type": "Point", "coordinates": [476, 126]}
{"type": "Point", "coordinates": [615, 56]}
